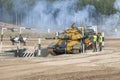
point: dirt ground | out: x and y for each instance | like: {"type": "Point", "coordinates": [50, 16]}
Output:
{"type": "Point", "coordinates": [103, 65]}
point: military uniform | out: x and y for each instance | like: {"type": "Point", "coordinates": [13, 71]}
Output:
{"type": "Point", "coordinates": [94, 43]}
{"type": "Point", "coordinates": [100, 40]}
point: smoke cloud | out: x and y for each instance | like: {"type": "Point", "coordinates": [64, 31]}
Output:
{"type": "Point", "coordinates": [111, 24]}
{"type": "Point", "coordinates": [60, 14]}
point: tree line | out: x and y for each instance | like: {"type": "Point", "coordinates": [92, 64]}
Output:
{"type": "Point", "coordinates": [9, 12]}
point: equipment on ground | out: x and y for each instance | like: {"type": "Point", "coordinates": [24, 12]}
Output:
{"type": "Point", "coordinates": [18, 39]}
{"type": "Point", "coordinates": [72, 41]}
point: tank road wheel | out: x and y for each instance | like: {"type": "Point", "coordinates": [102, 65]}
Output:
{"type": "Point", "coordinates": [50, 51]}
{"type": "Point", "coordinates": [75, 51]}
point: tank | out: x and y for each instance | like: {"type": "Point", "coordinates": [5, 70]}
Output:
{"type": "Point", "coordinates": [71, 41]}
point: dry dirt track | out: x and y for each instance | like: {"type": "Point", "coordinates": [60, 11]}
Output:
{"type": "Point", "coordinates": [89, 66]}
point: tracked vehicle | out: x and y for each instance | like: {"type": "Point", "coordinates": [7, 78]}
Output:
{"type": "Point", "coordinates": [71, 41]}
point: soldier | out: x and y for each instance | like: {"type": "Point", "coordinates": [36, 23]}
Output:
{"type": "Point", "coordinates": [100, 40]}
{"type": "Point", "coordinates": [21, 39]}
{"type": "Point", "coordinates": [94, 42]}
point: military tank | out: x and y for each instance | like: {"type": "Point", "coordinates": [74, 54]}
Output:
{"type": "Point", "coordinates": [71, 41]}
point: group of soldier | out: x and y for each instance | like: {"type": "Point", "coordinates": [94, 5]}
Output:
{"type": "Point", "coordinates": [97, 40]}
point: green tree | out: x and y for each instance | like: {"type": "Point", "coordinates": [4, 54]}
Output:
{"type": "Point", "coordinates": [102, 6]}
{"type": "Point", "coordinates": [7, 7]}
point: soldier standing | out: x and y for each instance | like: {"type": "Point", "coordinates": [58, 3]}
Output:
{"type": "Point", "coordinates": [94, 42]}
{"type": "Point", "coordinates": [100, 40]}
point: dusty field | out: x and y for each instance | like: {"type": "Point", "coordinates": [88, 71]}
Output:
{"type": "Point", "coordinates": [103, 65]}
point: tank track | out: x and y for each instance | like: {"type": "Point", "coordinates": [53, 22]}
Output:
{"type": "Point", "coordinates": [75, 51]}
{"type": "Point", "coordinates": [50, 51]}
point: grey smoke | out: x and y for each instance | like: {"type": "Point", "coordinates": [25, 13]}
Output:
{"type": "Point", "coordinates": [110, 23]}
{"type": "Point", "coordinates": [59, 15]}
